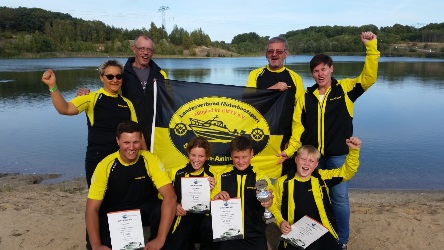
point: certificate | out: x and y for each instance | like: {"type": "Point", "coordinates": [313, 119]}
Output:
{"type": "Point", "coordinates": [227, 219]}
{"type": "Point", "coordinates": [195, 194]}
{"type": "Point", "coordinates": [304, 232]}
{"type": "Point", "coordinates": [126, 229]}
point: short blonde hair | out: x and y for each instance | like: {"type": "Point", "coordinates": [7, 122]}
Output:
{"type": "Point", "coordinates": [109, 63]}
{"type": "Point", "coordinates": [310, 150]}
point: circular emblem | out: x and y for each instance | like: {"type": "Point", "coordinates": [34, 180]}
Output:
{"type": "Point", "coordinates": [219, 120]}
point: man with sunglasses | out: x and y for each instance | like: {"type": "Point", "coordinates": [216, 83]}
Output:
{"type": "Point", "coordinates": [276, 76]}
{"type": "Point", "coordinates": [104, 108]}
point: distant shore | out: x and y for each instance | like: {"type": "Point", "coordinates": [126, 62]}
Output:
{"type": "Point", "coordinates": [51, 216]}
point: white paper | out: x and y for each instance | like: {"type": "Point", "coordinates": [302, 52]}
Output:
{"type": "Point", "coordinates": [195, 194]}
{"type": "Point", "coordinates": [304, 232]}
{"type": "Point", "coordinates": [126, 229]}
{"type": "Point", "coordinates": [227, 219]}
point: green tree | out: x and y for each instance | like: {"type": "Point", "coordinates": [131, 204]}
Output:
{"type": "Point", "coordinates": [199, 38]}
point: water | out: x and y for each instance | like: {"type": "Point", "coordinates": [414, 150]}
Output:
{"type": "Point", "coordinates": [399, 119]}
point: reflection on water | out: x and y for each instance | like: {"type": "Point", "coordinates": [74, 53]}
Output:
{"type": "Point", "coordinates": [399, 119]}
{"type": "Point", "coordinates": [189, 75]}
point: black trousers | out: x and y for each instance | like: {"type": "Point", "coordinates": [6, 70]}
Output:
{"type": "Point", "coordinates": [326, 242]}
{"type": "Point", "coordinates": [191, 228]}
{"type": "Point", "coordinates": [150, 213]}
{"type": "Point", "coordinates": [257, 243]}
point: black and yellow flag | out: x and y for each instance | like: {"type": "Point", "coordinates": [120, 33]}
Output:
{"type": "Point", "coordinates": [219, 113]}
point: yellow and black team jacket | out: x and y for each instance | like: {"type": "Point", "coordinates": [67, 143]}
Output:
{"type": "Point", "coordinates": [188, 171]}
{"type": "Point", "coordinates": [294, 198]}
{"type": "Point", "coordinates": [126, 186]}
{"type": "Point", "coordinates": [328, 123]}
{"type": "Point", "coordinates": [264, 77]}
{"type": "Point", "coordinates": [241, 184]}
{"type": "Point", "coordinates": [104, 112]}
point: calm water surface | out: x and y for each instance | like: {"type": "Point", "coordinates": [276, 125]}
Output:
{"type": "Point", "coordinates": [399, 119]}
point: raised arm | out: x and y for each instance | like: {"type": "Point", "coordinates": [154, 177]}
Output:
{"type": "Point", "coordinates": [62, 106]}
{"type": "Point", "coordinates": [370, 71]}
{"type": "Point", "coordinates": [351, 164]}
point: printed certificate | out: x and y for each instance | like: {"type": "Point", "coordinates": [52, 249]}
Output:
{"type": "Point", "coordinates": [304, 232]}
{"type": "Point", "coordinates": [195, 194]}
{"type": "Point", "coordinates": [126, 229]}
{"type": "Point", "coordinates": [227, 219]}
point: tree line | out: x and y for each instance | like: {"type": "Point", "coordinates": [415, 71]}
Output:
{"type": "Point", "coordinates": [34, 31]}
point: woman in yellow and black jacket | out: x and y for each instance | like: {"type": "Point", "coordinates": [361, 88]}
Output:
{"type": "Point", "coordinates": [323, 116]}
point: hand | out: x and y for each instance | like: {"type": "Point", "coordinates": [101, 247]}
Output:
{"type": "Point", "coordinates": [155, 244]}
{"type": "Point", "coordinates": [281, 86]}
{"type": "Point", "coordinates": [283, 158]}
{"type": "Point", "coordinates": [180, 211]}
{"type": "Point", "coordinates": [222, 195]}
{"type": "Point", "coordinates": [353, 142]}
{"type": "Point", "coordinates": [285, 227]}
{"type": "Point", "coordinates": [49, 78]}
{"type": "Point", "coordinates": [212, 182]}
{"type": "Point", "coordinates": [82, 91]}
{"type": "Point", "coordinates": [367, 36]}
{"type": "Point", "coordinates": [268, 203]}
{"type": "Point", "coordinates": [100, 247]}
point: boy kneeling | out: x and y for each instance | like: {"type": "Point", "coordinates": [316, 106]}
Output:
{"type": "Point", "coordinates": [306, 192]}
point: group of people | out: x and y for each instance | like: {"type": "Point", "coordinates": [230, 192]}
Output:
{"type": "Point", "coordinates": [122, 175]}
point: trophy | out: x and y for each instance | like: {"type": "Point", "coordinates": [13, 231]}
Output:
{"type": "Point", "coordinates": [263, 195]}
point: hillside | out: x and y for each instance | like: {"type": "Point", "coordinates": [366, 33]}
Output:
{"type": "Point", "coordinates": [33, 32]}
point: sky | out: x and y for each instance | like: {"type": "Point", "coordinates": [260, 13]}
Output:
{"type": "Point", "coordinates": [224, 19]}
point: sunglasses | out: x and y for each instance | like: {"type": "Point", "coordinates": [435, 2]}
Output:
{"type": "Point", "coordinates": [278, 52]}
{"type": "Point", "coordinates": [111, 77]}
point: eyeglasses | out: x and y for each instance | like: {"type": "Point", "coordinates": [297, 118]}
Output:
{"type": "Point", "coordinates": [142, 49]}
{"type": "Point", "coordinates": [111, 77]}
{"type": "Point", "coordinates": [278, 52]}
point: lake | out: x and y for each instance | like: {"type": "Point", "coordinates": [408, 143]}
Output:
{"type": "Point", "coordinates": [399, 119]}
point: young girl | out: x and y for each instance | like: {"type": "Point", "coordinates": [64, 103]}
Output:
{"type": "Point", "coordinates": [189, 227]}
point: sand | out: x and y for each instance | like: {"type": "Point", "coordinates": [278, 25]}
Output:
{"type": "Point", "coordinates": [36, 215]}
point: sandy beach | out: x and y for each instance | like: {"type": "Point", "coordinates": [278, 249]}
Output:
{"type": "Point", "coordinates": [36, 215]}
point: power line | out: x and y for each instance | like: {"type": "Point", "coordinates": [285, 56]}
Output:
{"type": "Point", "coordinates": [163, 9]}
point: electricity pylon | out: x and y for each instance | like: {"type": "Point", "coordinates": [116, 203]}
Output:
{"type": "Point", "coordinates": [163, 9]}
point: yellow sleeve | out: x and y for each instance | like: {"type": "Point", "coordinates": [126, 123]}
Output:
{"type": "Point", "coordinates": [132, 110]}
{"type": "Point", "coordinates": [347, 170]}
{"type": "Point", "coordinates": [297, 80]}
{"type": "Point", "coordinates": [155, 169]}
{"type": "Point", "coordinates": [99, 180]}
{"type": "Point", "coordinates": [252, 77]}
{"type": "Point", "coordinates": [275, 209]}
{"type": "Point", "coordinates": [82, 102]}
{"type": "Point", "coordinates": [370, 71]}
{"type": "Point", "coordinates": [296, 128]}
{"type": "Point", "coordinates": [172, 173]}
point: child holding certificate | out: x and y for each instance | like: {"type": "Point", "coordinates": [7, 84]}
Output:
{"type": "Point", "coordinates": [240, 181]}
{"type": "Point", "coordinates": [190, 227]}
{"type": "Point", "coordinates": [305, 192]}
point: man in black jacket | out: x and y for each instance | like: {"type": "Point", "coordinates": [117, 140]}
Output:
{"type": "Point", "coordinates": [140, 78]}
